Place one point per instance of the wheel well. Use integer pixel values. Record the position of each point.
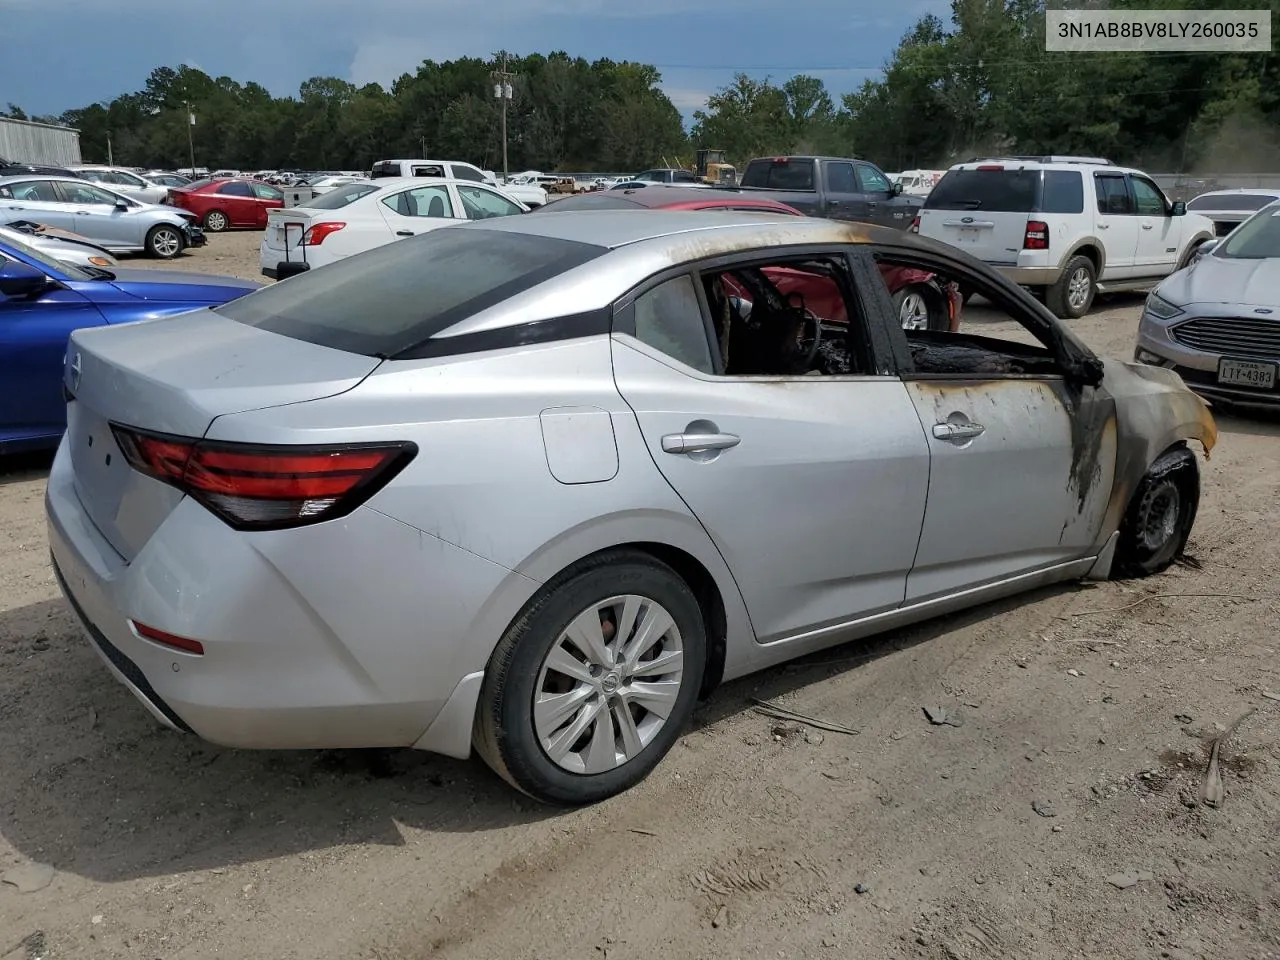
(1094, 255)
(710, 602)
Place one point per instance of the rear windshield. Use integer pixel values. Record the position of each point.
(383, 302)
(592, 201)
(197, 184)
(340, 196)
(779, 175)
(1003, 191)
(385, 169)
(1243, 202)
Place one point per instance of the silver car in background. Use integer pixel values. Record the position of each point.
(119, 223)
(65, 247)
(1217, 322)
(538, 484)
(124, 181)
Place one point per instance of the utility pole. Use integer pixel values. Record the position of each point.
(502, 91)
(191, 143)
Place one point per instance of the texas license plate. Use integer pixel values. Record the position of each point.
(1247, 373)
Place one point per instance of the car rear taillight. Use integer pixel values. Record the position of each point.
(990, 166)
(253, 487)
(315, 234)
(1037, 236)
(915, 226)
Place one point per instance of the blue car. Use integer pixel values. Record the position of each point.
(42, 300)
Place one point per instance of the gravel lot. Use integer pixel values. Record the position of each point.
(753, 839)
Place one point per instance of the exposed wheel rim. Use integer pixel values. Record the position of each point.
(914, 312)
(1078, 288)
(608, 685)
(1158, 515)
(166, 243)
(216, 221)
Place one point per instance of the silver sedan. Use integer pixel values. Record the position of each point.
(66, 247)
(538, 484)
(1217, 322)
(120, 224)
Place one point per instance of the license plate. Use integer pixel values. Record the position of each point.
(1247, 373)
(969, 234)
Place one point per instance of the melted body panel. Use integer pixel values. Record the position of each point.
(1028, 489)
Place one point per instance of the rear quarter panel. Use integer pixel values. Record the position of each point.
(482, 482)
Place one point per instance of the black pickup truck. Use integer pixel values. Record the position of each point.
(833, 187)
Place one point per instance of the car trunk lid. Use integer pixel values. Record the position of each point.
(175, 376)
(283, 236)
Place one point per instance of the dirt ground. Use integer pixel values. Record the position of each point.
(1085, 718)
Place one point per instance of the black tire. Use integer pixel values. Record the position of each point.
(1058, 297)
(505, 734)
(1160, 516)
(216, 221)
(165, 242)
(932, 300)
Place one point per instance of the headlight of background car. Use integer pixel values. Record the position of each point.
(1160, 308)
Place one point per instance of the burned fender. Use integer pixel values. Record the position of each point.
(1154, 411)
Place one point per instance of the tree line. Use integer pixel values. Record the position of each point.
(980, 83)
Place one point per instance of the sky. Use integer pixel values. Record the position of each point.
(108, 47)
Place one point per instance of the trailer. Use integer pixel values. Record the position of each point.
(25, 141)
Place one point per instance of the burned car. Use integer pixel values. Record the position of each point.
(535, 485)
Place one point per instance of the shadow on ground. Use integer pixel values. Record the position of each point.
(93, 786)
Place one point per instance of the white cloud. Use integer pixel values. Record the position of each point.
(686, 100)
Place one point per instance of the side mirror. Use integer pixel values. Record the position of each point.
(122, 205)
(1179, 208)
(896, 189)
(19, 280)
(1205, 249)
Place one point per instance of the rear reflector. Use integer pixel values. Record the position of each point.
(1037, 236)
(315, 234)
(185, 644)
(253, 487)
(915, 226)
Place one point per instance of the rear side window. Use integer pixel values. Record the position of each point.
(236, 189)
(1113, 195)
(669, 318)
(466, 173)
(779, 174)
(389, 299)
(1063, 192)
(386, 168)
(992, 191)
(840, 177)
(339, 197)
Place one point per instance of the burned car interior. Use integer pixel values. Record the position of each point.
(791, 318)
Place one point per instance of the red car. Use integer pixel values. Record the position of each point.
(227, 204)
(922, 301)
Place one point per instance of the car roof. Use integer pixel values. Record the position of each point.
(644, 242)
(1240, 191)
(23, 177)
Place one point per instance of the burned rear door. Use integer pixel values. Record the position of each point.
(1022, 455)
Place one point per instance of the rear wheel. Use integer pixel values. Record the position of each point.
(1072, 295)
(215, 221)
(591, 686)
(164, 242)
(1160, 516)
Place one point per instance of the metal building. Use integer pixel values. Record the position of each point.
(24, 141)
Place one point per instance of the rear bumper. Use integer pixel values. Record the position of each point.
(303, 648)
(1031, 276)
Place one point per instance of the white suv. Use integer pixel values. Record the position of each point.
(1067, 227)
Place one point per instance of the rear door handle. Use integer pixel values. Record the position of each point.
(698, 442)
(404, 233)
(957, 432)
(1146, 226)
(1104, 226)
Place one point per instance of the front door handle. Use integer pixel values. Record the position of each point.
(958, 431)
(1146, 226)
(404, 233)
(698, 442)
(1104, 226)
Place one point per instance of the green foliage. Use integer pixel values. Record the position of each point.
(984, 83)
(565, 113)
